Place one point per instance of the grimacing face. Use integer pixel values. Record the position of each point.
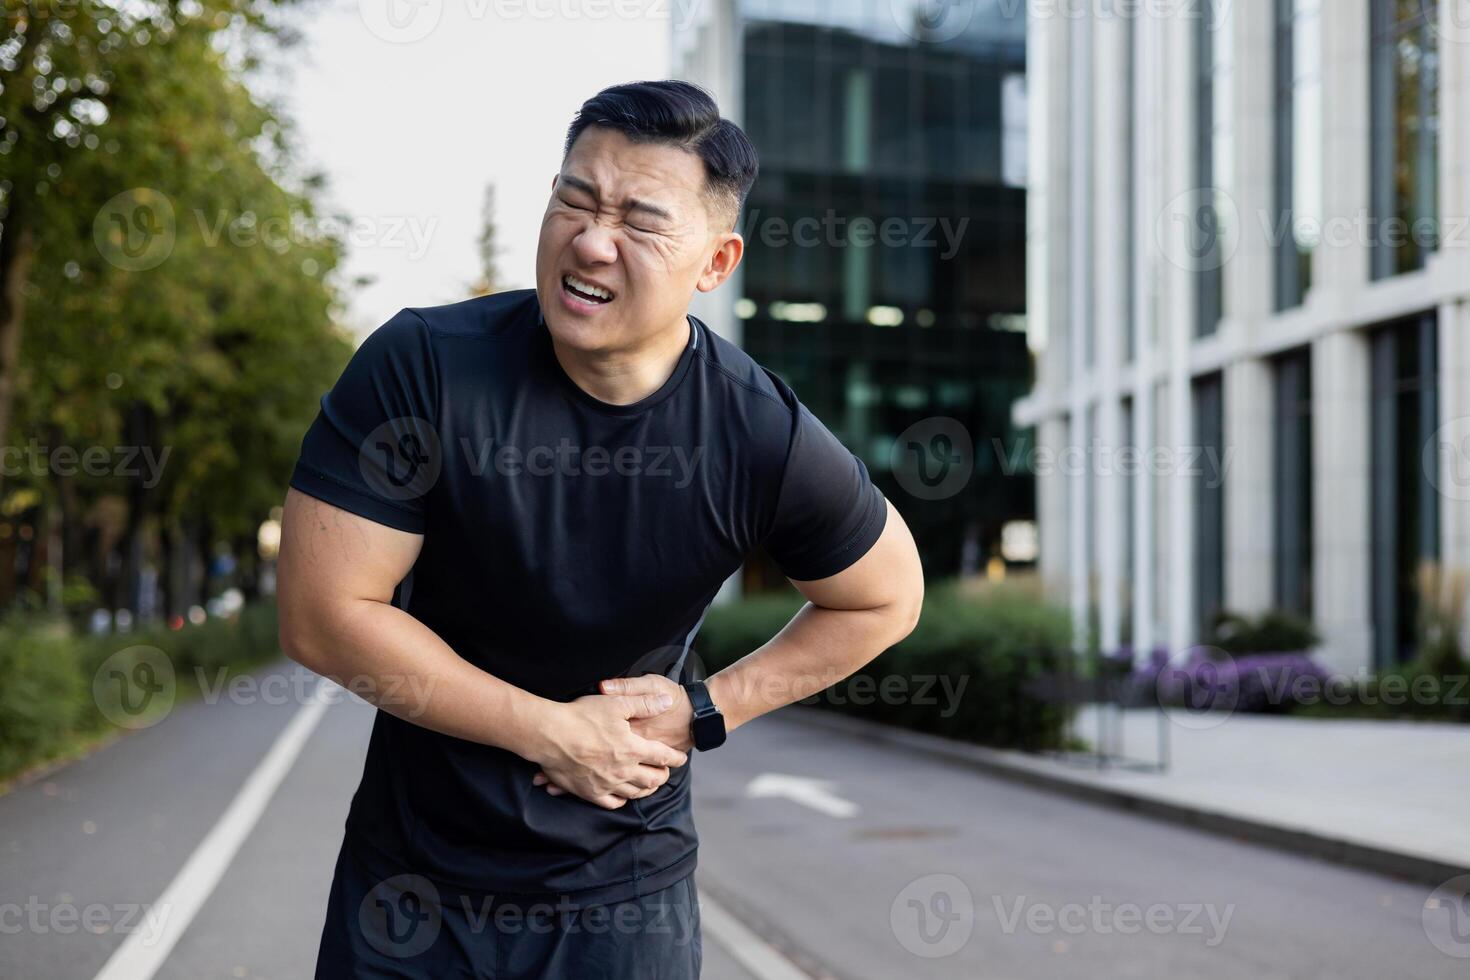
(630, 222)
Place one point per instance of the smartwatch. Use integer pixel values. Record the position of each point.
(708, 726)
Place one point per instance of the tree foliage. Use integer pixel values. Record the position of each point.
(175, 288)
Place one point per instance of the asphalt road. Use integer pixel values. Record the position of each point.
(847, 859)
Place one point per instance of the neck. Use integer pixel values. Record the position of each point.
(622, 377)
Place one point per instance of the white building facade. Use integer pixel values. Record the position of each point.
(1247, 287)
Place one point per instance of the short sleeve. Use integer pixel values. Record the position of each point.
(373, 448)
(828, 512)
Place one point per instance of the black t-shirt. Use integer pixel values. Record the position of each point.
(566, 540)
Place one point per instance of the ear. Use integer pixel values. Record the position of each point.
(722, 262)
(553, 180)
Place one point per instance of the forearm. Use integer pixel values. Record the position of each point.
(818, 648)
(389, 658)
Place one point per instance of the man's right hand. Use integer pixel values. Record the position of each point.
(591, 751)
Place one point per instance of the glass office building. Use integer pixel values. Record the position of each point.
(884, 276)
(1241, 263)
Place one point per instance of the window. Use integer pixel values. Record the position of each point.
(1298, 163)
(1209, 497)
(1130, 191)
(1129, 475)
(1088, 488)
(1405, 505)
(1292, 480)
(1213, 168)
(857, 110)
(1080, 207)
(852, 128)
(1405, 144)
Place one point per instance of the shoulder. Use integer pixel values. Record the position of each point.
(417, 335)
(479, 316)
(745, 381)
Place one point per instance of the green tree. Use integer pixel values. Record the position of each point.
(71, 72)
(183, 306)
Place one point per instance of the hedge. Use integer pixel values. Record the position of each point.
(970, 670)
(43, 695)
(46, 695)
(973, 668)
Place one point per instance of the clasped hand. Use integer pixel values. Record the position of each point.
(618, 745)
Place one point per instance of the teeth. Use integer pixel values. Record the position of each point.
(587, 287)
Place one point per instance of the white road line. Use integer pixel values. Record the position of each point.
(145, 950)
(760, 958)
(817, 794)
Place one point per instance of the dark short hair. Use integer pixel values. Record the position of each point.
(680, 114)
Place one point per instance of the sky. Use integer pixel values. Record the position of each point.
(410, 107)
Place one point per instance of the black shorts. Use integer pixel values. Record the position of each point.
(404, 927)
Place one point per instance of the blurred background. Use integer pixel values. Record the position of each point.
(1150, 316)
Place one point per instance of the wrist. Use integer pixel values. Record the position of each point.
(721, 692)
(707, 724)
(539, 727)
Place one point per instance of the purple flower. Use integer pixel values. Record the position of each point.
(1258, 682)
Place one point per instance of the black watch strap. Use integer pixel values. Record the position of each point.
(708, 726)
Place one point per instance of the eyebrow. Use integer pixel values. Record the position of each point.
(631, 204)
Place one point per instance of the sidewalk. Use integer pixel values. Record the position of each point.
(1389, 796)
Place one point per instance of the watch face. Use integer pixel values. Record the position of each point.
(709, 731)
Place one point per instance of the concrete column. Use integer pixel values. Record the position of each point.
(1049, 291)
(1341, 480)
(1250, 284)
(1079, 317)
(708, 52)
(1340, 263)
(1454, 117)
(1451, 442)
(713, 58)
(1148, 135)
(1079, 527)
(1250, 279)
(1177, 334)
(1051, 514)
(1045, 301)
(1110, 192)
(1164, 488)
(1249, 495)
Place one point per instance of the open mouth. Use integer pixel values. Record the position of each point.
(585, 291)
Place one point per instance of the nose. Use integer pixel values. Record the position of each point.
(594, 245)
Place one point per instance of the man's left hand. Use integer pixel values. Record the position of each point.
(671, 727)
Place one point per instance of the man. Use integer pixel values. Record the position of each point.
(506, 524)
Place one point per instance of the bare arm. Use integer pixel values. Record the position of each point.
(849, 619)
(337, 574)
